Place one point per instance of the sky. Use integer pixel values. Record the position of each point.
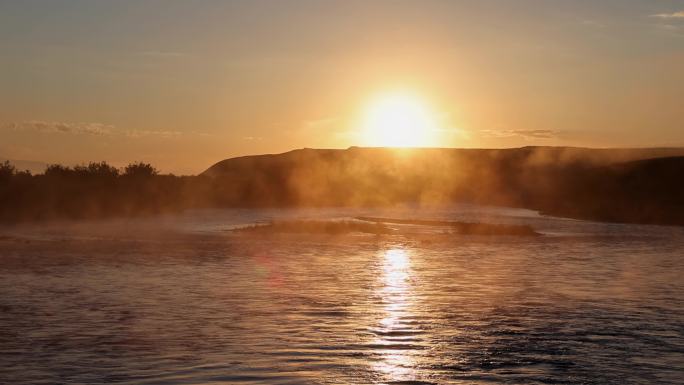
(184, 84)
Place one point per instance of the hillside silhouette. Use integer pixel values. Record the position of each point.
(621, 185)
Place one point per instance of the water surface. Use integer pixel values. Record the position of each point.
(181, 300)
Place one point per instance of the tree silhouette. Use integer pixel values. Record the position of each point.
(140, 170)
(7, 170)
(98, 170)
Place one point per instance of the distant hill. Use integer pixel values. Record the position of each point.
(624, 185)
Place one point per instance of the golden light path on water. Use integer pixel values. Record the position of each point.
(395, 291)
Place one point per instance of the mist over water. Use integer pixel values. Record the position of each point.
(181, 300)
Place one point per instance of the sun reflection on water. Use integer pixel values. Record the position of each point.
(396, 264)
(394, 329)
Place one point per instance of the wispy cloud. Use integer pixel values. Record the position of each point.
(99, 129)
(673, 15)
(61, 127)
(526, 134)
(161, 133)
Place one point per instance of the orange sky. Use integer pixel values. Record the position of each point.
(184, 85)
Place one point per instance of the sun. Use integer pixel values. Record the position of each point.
(398, 119)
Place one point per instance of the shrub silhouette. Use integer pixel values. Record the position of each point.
(7, 170)
(95, 190)
(140, 170)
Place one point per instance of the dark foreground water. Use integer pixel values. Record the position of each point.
(178, 300)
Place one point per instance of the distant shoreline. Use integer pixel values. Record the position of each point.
(610, 185)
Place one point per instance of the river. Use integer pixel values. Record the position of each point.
(183, 300)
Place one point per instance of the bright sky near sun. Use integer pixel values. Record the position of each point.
(184, 84)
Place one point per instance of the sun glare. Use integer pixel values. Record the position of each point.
(398, 120)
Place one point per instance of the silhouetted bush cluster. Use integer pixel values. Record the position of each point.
(97, 190)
